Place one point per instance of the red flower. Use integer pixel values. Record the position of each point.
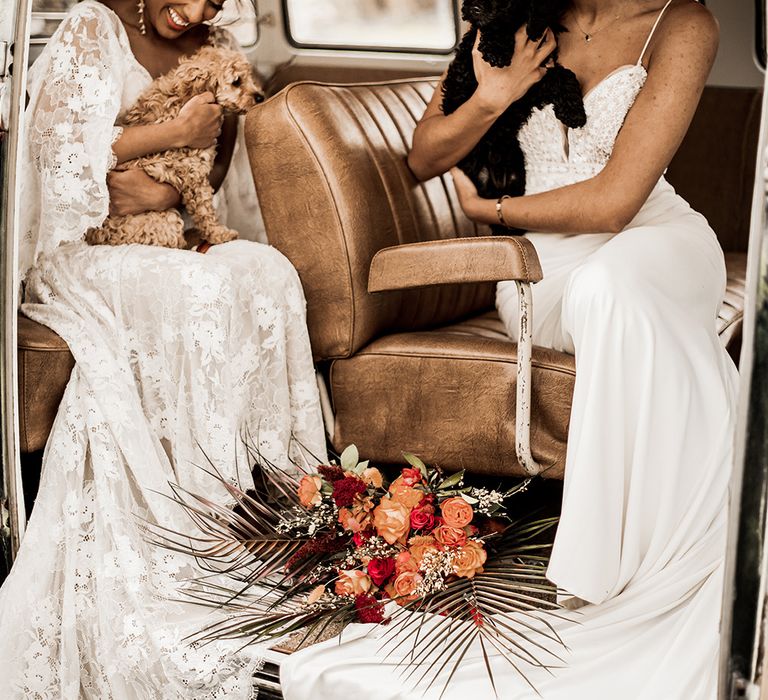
(326, 544)
(331, 473)
(411, 477)
(369, 609)
(381, 569)
(360, 538)
(423, 518)
(345, 490)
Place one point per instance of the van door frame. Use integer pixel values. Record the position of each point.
(14, 45)
(744, 625)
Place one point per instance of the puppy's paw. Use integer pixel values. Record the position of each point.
(220, 234)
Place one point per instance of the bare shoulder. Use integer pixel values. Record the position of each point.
(688, 32)
(689, 20)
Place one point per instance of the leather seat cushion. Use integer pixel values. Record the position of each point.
(45, 364)
(459, 362)
(453, 396)
(459, 383)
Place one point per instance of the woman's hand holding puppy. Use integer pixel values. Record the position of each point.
(441, 141)
(200, 121)
(132, 191)
(497, 88)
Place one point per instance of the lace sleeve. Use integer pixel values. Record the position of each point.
(75, 89)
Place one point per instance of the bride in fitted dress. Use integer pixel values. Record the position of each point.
(176, 352)
(640, 545)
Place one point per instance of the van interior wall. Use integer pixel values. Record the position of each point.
(735, 65)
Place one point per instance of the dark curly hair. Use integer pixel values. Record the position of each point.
(496, 165)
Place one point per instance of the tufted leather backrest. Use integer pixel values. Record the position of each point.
(329, 166)
(714, 168)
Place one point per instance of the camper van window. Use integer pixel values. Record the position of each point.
(238, 17)
(425, 26)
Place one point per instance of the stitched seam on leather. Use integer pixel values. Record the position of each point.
(463, 239)
(420, 308)
(305, 140)
(377, 164)
(422, 185)
(501, 360)
(457, 293)
(521, 248)
(402, 180)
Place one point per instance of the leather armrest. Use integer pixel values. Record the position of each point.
(454, 260)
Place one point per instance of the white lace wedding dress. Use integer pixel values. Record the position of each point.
(176, 354)
(643, 527)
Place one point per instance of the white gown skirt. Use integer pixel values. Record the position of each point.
(176, 354)
(642, 534)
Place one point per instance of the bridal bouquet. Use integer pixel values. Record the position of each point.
(344, 544)
(399, 541)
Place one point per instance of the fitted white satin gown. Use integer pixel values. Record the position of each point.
(643, 526)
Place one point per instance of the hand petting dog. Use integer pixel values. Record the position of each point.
(509, 57)
(197, 93)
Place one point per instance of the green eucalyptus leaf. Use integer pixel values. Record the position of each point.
(469, 499)
(360, 468)
(414, 461)
(452, 480)
(349, 458)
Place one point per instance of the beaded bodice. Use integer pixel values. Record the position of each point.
(556, 156)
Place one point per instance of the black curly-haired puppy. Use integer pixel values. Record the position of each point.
(496, 165)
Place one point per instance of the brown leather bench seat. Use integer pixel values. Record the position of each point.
(45, 364)
(438, 368)
(713, 170)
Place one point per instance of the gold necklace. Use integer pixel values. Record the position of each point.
(588, 36)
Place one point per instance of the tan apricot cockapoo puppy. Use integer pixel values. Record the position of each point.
(228, 75)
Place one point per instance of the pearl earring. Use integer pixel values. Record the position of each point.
(142, 26)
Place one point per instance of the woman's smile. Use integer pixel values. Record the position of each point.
(175, 21)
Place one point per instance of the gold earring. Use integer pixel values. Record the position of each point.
(142, 26)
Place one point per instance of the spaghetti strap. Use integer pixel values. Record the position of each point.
(653, 30)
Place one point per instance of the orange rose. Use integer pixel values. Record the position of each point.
(405, 584)
(419, 546)
(470, 559)
(405, 562)
(348, 521)
(362, 509)
(353, 583)
(449, 536)
(404, 494)
(392, 520)
(373, 477)
(456, 512)
(357, 518)
(309, 491)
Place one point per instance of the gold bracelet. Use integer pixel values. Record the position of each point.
(500, 213)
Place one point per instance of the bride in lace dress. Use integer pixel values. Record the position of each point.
(633, 290)
(176, 354)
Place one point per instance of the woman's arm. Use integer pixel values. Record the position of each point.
(440, 141)
(133, 191)
(654, 128)
(197, 125)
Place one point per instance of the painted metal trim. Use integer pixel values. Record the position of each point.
(524, 360)
(9, 282)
